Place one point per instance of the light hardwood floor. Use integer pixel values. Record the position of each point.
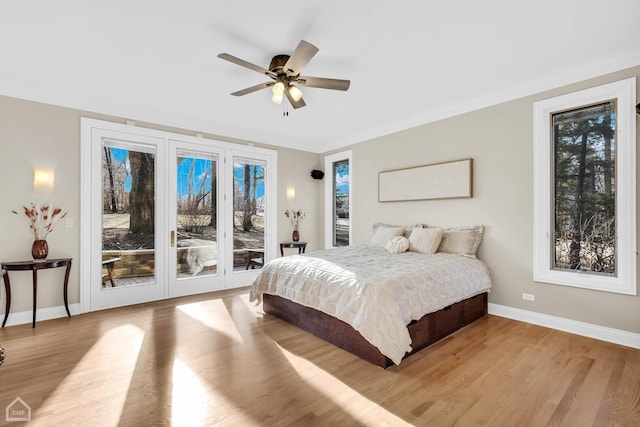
(216, 359)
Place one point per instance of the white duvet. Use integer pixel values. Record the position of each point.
(376, 292)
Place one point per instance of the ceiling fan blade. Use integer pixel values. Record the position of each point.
(245, 64)
(295, 104)
(253, 89)
(320, 82)
(300, 57)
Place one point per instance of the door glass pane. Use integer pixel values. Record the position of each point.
(248, 213)
(128, 214)
(196, 216)
(340, 178)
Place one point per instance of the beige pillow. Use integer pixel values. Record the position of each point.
(425, 240)
(462, 240)
(382, 235)
(407, 228)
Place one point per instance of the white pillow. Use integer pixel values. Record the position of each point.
(397, 245)
(425, 240)
(462, 240)
(382, 235)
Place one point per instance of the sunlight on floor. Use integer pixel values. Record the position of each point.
(349, 400)
(99, 362)
(189, 397)
(209, 314)
(252, 306)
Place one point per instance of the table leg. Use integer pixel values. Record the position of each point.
(7, 288)
(35, 296)
(281, 249)
(66, 285)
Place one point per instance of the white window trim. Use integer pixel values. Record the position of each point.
(328, 196)
(624, 92)
(89, 227)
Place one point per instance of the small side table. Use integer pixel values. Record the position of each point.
(34, 266)
(302, 247)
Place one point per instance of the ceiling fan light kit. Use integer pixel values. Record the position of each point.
(285, 71)
(296, 93)
(278, 88)
(277, 99)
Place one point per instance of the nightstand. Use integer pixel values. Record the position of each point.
(302, 246)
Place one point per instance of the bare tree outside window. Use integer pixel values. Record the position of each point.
(341, 202)
(249, 209)
(128, 215)
(196, 215)
(584, 142)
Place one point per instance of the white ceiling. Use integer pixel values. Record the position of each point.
(409, 62)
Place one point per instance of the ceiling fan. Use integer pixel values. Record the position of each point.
(284, 70)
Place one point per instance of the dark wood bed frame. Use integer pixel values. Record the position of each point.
(429, 329)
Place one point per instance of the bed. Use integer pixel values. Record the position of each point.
(377, 305)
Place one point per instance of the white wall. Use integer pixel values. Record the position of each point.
(294, 170)
(500, 141)
(40, 135)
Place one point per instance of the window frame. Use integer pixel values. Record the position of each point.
(329, 199)
(624, 282)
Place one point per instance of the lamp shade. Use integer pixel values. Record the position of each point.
(295, 93)
(43, 180)
(278, 88)
(291, 193)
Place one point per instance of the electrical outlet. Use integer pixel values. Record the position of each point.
(528, 297)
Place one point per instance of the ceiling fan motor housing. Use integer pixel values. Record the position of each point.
(277, 64)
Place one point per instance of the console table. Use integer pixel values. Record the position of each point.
(302, 246)
(34, 266)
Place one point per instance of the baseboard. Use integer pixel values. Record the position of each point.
(616, 336)
(602, 333)
(22, 317)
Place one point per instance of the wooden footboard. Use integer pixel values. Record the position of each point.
(429, 329)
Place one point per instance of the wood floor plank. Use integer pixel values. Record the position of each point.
(626, 402)
(216, 359)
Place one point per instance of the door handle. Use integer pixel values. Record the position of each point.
(173, 238)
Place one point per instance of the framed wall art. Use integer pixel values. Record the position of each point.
(447, 180)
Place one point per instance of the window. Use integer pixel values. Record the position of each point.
(584, 189)
(338, 191)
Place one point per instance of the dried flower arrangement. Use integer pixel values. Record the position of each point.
(42, 219)
(295, 216)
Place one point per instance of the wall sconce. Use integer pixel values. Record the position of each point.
(291, 193)
(43, 180)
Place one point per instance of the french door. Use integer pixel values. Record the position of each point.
(167, 215)
(195, 211)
